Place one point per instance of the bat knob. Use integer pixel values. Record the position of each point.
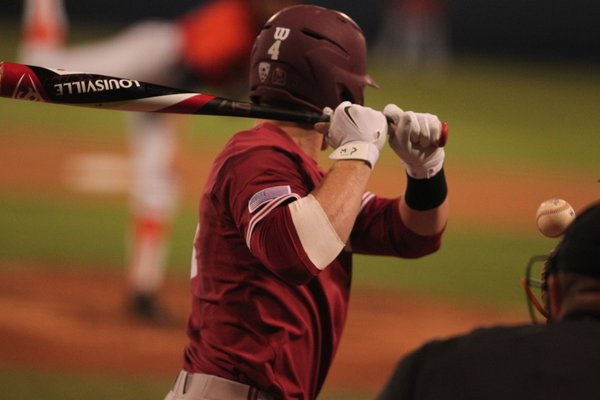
(444, 135)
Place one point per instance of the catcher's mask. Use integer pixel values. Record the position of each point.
(577, 252)
(535, 284)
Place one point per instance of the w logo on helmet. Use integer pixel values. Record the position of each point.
(281, 33)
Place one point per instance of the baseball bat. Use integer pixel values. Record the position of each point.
(35, 83)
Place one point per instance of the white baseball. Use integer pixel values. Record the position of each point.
(553, 217)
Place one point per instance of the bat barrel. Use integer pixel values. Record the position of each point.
(28, 82)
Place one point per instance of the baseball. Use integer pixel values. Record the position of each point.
(553, 217)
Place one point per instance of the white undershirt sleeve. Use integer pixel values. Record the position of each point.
(317, 236)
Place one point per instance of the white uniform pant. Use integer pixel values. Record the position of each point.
(189, 386)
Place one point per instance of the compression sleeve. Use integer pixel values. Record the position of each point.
(319, 239)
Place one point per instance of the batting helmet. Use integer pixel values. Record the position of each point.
(309, 57)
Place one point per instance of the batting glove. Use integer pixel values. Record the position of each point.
(356, 132)
(414, 139)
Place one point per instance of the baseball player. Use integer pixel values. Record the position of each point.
(559, 360)
(207, 46)
(272, 261)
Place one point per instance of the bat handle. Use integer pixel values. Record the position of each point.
(441, 142)
(443, 135)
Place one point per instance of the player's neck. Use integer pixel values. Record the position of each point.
(307, 138)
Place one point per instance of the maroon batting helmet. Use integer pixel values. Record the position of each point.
(309, 57)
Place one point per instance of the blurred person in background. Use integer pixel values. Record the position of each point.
(415, 33)
(208, 46)
(556, 360)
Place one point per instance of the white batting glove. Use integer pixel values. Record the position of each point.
(356, 132)
(414, 139)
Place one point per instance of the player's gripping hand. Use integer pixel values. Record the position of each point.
(415, 138)
(356, 132)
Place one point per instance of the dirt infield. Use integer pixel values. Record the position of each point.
(76, 322)
(65, 320)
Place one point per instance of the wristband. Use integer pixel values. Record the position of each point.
(357, 151)
(426, 194)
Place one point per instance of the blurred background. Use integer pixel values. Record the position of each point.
(525, 28)
(517, 81)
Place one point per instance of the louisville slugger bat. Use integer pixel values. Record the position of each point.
(58, 86)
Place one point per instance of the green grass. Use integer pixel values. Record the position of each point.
(66, 232)
(18, 383)
(478, 266)
(59, 231)
(32, 384)
(505, 112)
(63, 123)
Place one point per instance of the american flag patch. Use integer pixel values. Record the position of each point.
(267, 195)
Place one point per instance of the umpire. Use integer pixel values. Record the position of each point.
(559, 360)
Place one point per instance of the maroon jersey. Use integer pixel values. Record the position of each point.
(262, 313)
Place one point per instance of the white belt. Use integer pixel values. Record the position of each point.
(190, 386)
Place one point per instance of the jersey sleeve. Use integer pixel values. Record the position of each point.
(379, 230)
(256, 187)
